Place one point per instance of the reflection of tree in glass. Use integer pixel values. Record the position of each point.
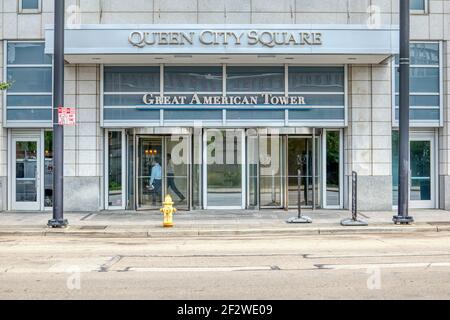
(48, 137)
(5, 85)
(26, 150)
(333, 158)
(420, 158)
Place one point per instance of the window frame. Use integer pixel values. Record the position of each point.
(25, 123)
(324, 169)
(421, 123)
(224, 121)
(124, 173)
(421, 12)
(21, 10)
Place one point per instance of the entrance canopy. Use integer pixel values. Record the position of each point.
(196, 43)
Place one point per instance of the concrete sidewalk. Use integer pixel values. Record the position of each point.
(119, 224)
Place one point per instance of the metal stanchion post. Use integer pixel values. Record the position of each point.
(300, 218)
(354, 221)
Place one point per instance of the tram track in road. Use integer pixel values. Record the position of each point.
(226, 255)
(256, 262)
(414, 266)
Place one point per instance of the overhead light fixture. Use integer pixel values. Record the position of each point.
(182, 56)
(266, 56)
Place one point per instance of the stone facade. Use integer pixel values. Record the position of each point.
(367, 137)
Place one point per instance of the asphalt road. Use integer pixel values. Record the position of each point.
(407, 266)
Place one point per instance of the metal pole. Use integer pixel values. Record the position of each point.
(354, 221)
(314, 169)
(355, 196)
(300, 218)
(58, 220)
(403, 196)
(308, 172)
(299, 193)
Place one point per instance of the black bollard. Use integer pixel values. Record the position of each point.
(299, 218)
(354, 219)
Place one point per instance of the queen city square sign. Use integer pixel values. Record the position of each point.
(87, 41)
(265, 38)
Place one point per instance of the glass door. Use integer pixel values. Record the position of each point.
(26, 172)
(150, 164)
(271, 171)
(224, 159)
(177, 170)
(252, 169)
(422, 172)
(304, 156)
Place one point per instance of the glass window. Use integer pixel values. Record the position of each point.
(422, 80)
(27, 53)
(115, 169)
(123, 100)
(28, 101)
(193, 115)
(197, 171)
(424, 53)
(124, 88)
(314, 114)
(333, 168)
(253, 115)
(421, 114)
(29, 70)
(300, 159)
(30, 79)
(30, 4)
(131, 114)
(417, 5)
(193, 79)
(132, 79)
(224, 168)
(26, 171)
(421, 101)
(420, 166)
(425, 82)
(29, 114)
(324, 100)
(271, 170)
(316, 79)
(255, 79)
(395, 163)
(48, 169)
(177, 169)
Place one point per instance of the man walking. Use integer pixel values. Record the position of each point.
(156, 181)
(171, 178)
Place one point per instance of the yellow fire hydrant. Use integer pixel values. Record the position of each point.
(168, 210)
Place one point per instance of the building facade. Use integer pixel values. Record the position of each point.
(224, 104)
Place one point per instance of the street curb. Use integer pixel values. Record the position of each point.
(443, 228)
(160, 233)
